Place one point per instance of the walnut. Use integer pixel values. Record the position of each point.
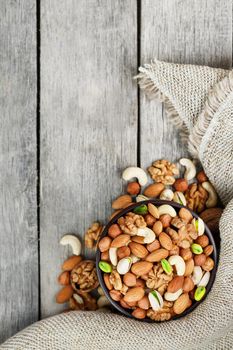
(92, 235)
(131, 222)
(178, 222)
(124, 289)
(89, 301)
(163, 171)
(83, 276)
(196, 197)
(164, 314)
(158, 279)
(115, 280)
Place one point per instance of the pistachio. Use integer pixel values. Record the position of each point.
(205, 280)
(105, 267)
(156, 300)
(124, 265)
(141, 210)
(196, 248)
(199, 293)
(167, 194)
(199, 226)
(197, 274)
(166, 266)
(179, 198)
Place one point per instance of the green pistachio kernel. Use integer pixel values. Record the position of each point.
(196, 248)
(142, 209)
(105, 267)
(166, 266)
(199, 293)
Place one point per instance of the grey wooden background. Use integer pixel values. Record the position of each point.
(71, 118)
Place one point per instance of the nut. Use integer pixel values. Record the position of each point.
(115, 295)
(115, 280)
(208, 265)
(199, 293)
(123, 252)
(157, 255)
(213, 198)
(74, 242)
(113, 256)
(92, 235)
(107, 281)
(105, 267)
(201, 177)
(208, 250)
(141, 198)
(189, 267)
(203, 241)
(153, 246)
(167, 194)
(196, 197)
(135, 172)
(158, 227)
(104, 244)
(70, 263)
(129, 279)
(197, 274)
(83, 277)
(138, 239)
(105, 256)
(175, 284)
(64, 278)
(165, 241)
(144, 303)
(181, 185)
(124, 265)
(188, 284)
(167, 209)
(190, 171)
(196, 248)
(205, 279)
(153, 210)
(138, 250)
(165, 220)
(141, 209)
(185, 215)
(179, 264)
(154, 190)
(181, 304)
(199, 260)
(150, 220)
(163, 171)
(156, 300)
(141, 268)
(186, 254)
(120, 241)
(173, 296)
(64, 294)
(147, 233)
(199, 226)
(134, 294)
(114, 231)
(139, 313)
(121, 202)
(133, 188)
(166, 266)
(179, 198)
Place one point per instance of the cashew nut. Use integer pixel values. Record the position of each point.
(179, 198)
(141, 198)
(156, 300)
(137, 172)
(167, 209)
(199, 226)
(205, 280)
(167, 194)
(179, 263)
(74, 242)
(190, 171)
(147, 233)
(103, 301)
(213, 198)
(173, 296)
(197, 274)
(124, 265)
(113, 255)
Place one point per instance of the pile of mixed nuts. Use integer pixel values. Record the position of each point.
(155, 260)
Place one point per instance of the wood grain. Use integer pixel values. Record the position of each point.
(182, 31)
(88, 120)
(18, 207)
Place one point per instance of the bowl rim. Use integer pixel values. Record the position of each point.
(158, 202)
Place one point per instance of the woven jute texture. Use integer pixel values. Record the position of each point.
(199, 100)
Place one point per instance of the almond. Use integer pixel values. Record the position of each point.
(70, 263)
(150, 220)
(144, 303)
(64, 278)
(121, 202)
(211, 214)
(115, 294)
(185, 214)
(138, 250)
(157, 227)
(114, 231)
(157, 255)
(64, 294)
(124, 304)
(175, 284)
(123, 252)
(107, 281)
(200, 259)
(153, 246)
(188, 284)
(208, 250)
(189, 266)
(181, 304)
(138, 239)
(153, 210)
(129, 279)
(141, 268)
(154, 190)
(139, 313)
(133, 188)
(104, 244)
(120, 241)
(165, 220)
(134, 294)
(165, 241)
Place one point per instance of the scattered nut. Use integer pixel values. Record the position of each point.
(64, 278)
(154, 190)
(135, 172)
(92, 235)
(133, 188)
(212, 200)
(181, 185)
(190, 171)
(163, 171)
(74, 242)
(167, 195)
(121, 202)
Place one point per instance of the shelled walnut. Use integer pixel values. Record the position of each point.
(164, 314)
(92, 235)
(163, 171)
(196, 197)
(84, 277)
(131, 222)
(158, 279)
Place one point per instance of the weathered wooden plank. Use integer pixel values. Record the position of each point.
(18, 205)
(182, 31)
(88, 119)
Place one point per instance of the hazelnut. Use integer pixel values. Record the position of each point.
(165, 220)
(150, 220)
(114, 231)
(104, 244)
(186, 253)
(188, 284)
(202, 240)
(153, 246)
(129, 279)
(105, 256)
(201, 177)
(144, 303)
(208, 250)
(199, 260)
(139, 313)
(208, 265)
(64, 278)
(123, 252)
(115, 294)
(133, 188)
(157, 227)
(181, 185)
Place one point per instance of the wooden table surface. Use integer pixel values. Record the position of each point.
(72, 118)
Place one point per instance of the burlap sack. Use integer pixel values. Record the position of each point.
(200, 101)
